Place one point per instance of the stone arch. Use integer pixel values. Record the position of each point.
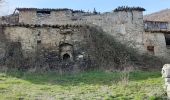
(66, 57)
(66, 51)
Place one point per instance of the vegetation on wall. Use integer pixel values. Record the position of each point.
(110, 52)
(126, 8)
(104, 51)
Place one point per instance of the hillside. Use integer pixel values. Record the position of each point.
(163, 15)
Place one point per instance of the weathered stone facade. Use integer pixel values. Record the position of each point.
(156, 35)
(126, 26)
(56, 35)
(56, 46)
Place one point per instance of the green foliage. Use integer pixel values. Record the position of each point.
(16, 85)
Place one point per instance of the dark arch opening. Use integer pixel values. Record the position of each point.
(66, 57)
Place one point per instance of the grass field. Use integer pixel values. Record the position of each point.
(92, 85)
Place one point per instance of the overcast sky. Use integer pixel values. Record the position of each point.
(100, 5)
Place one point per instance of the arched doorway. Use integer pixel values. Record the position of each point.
(66, 52)
(66, 57)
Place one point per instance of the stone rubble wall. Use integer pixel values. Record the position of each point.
(10, 19)
(122, 27)
(2, 44)
(158, 41)
(126, 26)
(53, 43)
(50, 37)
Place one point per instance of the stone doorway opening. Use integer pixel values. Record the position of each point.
(66, 52)
(66, 57)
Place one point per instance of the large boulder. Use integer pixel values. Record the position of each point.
(166, 76)
(166, 71)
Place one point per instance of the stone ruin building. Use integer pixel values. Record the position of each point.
(61, 36)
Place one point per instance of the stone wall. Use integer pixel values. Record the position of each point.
(155, 36)
(158, 41)
(56, 17)
(53, 45)
(2, 44)
(10, 19)
(126, 26)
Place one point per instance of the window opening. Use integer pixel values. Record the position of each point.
(43, 12)
(38, 41)
(150, 49)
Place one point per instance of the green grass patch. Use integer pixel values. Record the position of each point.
(16, 85)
